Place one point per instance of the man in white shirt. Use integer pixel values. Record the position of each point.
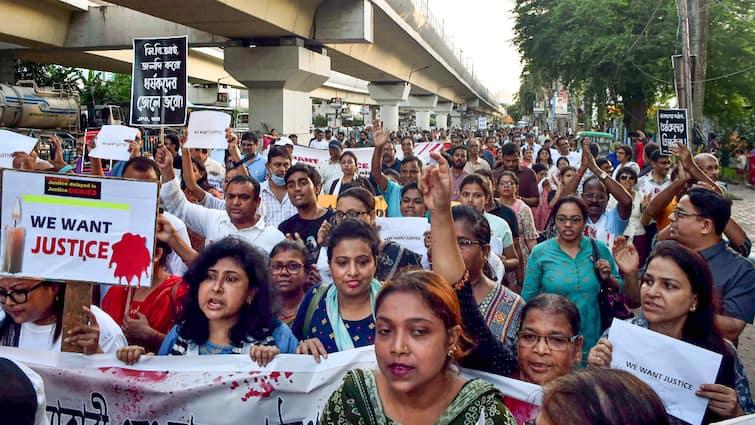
(330, 170)
(658, 179)
(475, 161)
(318, 142)
(276, 205)
(239, 219)
(529, 140)
(624, 155)
(564, 149)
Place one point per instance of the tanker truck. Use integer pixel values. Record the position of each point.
(43, 112)
(25, 105)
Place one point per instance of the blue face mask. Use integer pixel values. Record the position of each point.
(278, 181)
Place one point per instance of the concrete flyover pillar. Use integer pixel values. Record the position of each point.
(279, 79)
(442, 109)
(422, 106)
(455, 119)
(389, 96)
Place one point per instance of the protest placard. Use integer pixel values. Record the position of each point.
(11, 142)
(112, 142)
(671, 367)
(316, 157)
(672, 128)
(175, 390)
(207, 130)
(407, 231)
(75, 228)
(158, 82)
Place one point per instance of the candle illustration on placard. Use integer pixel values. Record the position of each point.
(13, 241)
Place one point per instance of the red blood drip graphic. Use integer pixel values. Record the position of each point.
(131, 257)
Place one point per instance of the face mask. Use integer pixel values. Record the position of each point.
(278, 181)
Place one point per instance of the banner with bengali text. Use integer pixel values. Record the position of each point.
(218, 390)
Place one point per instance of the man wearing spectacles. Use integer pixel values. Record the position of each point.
(548, 346)
(698, 222)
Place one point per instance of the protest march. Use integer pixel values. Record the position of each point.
(174, 268)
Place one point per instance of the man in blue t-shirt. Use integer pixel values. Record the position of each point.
(411, 170)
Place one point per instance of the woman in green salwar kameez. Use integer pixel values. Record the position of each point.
(418, 341)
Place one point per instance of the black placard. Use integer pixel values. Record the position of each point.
(158, 84)
(672, 128)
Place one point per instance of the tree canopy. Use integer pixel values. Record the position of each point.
(621, 50)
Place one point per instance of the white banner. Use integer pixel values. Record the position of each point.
(88, 229)
(671, 367)
(198, 390)
(207, 130)
(111, 142)
(364, 155)
(11, 142)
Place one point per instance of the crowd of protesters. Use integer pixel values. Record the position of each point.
(526, 229)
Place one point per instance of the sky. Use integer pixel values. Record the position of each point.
(484, 30)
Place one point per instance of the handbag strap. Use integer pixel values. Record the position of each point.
(595, 259)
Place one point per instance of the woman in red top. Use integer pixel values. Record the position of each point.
(151, 311)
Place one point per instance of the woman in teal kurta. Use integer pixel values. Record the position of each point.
(564, 265)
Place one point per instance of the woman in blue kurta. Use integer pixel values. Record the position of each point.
(340, 316)
(564, 265)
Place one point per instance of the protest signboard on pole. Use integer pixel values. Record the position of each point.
(76, 228)
(672, 128)
(158, 82)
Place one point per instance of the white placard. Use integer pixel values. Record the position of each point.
(11, 142)
(671, 367)
(207, 130)
(65, 227)
(406, 231)
(112, 142)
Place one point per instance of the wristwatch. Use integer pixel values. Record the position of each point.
(603, 176)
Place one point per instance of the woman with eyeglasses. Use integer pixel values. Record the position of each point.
(548, 347)
(340, 316)
(635, 230)
(32, 318)
(351, 178)
(508, 188)
(289, 270)
(500, 306)
(564, 265)
(679, 301)
(358, 203)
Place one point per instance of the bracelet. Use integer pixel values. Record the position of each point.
(580, 173)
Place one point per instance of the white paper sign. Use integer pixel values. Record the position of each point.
(207, 130)
(406, 231)
(66, 227)
(671, 367)
(292, 389)
(13, 142)
(111, 142)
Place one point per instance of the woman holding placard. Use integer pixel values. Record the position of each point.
(678, 301)
(227, 310)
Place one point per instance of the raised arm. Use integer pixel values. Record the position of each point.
(380, 138)
(623, 198)
(436, 188)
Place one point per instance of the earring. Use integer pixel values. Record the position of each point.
(693, 308)
(451, 351)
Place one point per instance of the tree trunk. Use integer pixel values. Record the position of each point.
(635, 117)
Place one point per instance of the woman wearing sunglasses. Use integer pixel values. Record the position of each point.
(635, 230)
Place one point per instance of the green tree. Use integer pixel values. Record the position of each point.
(603, 49)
